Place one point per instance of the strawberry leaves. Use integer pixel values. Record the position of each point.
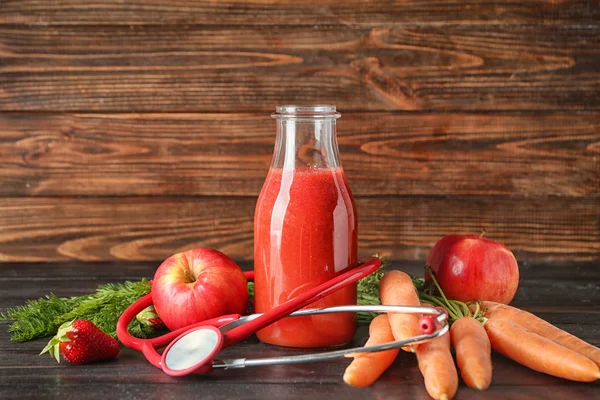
(53, 346)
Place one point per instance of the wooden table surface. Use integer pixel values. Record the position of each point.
(566, 294)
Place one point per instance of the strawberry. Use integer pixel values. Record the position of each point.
(81, 342)
(149, 317)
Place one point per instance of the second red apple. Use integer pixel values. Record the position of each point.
(471, 267)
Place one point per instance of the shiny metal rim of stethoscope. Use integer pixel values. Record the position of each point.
(308, 358)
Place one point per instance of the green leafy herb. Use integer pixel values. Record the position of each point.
(43, 317)
(368, 291)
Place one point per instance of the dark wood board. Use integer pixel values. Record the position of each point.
(141, 228)
(24, 374)
(305, 13)
(537, 293)
(534, 155)
(191, 69)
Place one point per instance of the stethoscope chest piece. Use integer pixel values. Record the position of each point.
(193, 351)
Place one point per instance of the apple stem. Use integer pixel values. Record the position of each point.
(190, 276)
(482, 233)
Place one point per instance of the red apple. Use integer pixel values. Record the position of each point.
(196, 285)
(471, 267)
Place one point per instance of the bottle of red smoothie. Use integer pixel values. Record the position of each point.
(305, 228)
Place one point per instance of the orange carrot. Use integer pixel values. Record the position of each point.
(396, 289)
(367, 367)
(437, 367)
(543, 328)
(537, 352)
(473, 352)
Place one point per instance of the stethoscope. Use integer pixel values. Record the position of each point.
(193, 348)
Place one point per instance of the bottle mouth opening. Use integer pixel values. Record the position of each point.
(319, 111)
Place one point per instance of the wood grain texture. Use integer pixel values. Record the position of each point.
(308, 13)
(539, 284)
(538, 287)
(198, 69)
(404, 370)
(229, 154)
(133, 228)
(457, 116)
(216, 389)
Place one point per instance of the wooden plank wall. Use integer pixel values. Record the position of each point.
(131, 130)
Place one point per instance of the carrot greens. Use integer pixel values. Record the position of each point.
(43, 317)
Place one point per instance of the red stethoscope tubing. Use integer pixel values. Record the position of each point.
(326, 288)
(148, 346)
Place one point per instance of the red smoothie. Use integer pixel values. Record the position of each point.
(305, 231)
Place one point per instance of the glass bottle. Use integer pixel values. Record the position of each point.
(305, 228)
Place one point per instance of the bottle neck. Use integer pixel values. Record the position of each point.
(305, 143)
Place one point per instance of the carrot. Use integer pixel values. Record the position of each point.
(542, 328)
(396, 288)
(537, 352)
(367, 367)
(473, 352)
(437, 367)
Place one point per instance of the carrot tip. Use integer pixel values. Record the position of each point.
(353, 382)
(443, 396)
(409, 349)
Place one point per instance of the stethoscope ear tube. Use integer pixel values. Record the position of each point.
(442, 329)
